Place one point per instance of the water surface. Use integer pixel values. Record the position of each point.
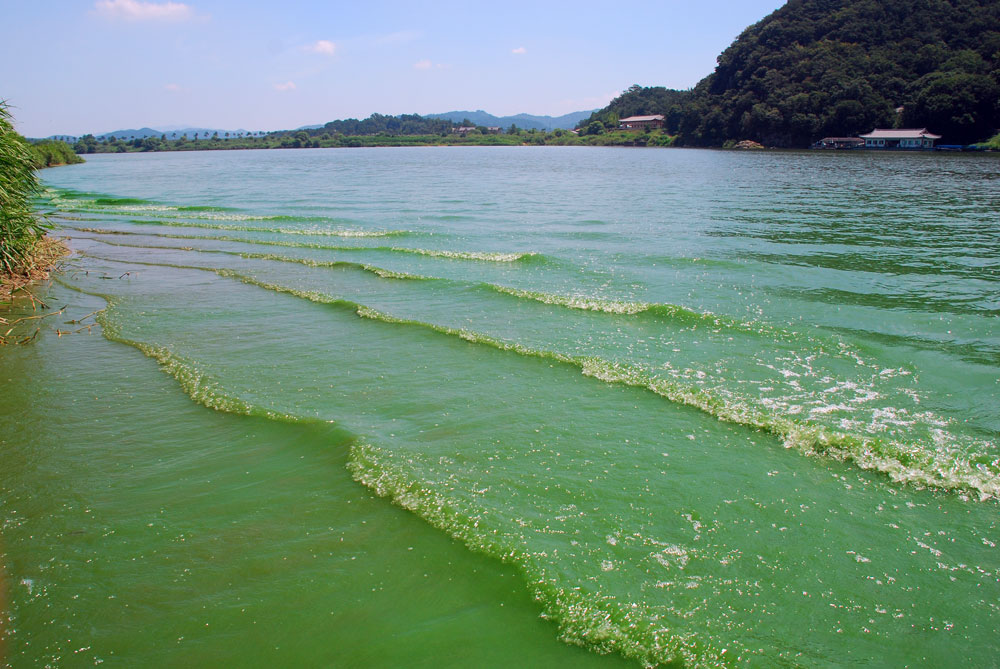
(508, 405)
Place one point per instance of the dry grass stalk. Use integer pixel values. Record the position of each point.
(47, 253)
(45, 256)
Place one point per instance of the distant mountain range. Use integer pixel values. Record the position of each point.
(526, 121)
(479, 117)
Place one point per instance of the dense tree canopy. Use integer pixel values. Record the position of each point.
(817, 68)
(378, 124)
(51, 152)
(639, 101)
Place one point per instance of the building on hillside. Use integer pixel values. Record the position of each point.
(839, 143)
(641, 122)
(900, 139)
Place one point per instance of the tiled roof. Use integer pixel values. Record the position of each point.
(655, 117)
(901, 134)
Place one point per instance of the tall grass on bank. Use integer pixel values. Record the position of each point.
(20, 230)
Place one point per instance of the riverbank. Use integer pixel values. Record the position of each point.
(44, 257)
(304, 140)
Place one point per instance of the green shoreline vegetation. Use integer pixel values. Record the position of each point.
(20, 229)
(52, 153)
(324, 138)
(25, 252)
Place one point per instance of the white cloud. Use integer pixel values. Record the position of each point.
(322, 47)
(519, 50)
(137, 10)
(287, 86)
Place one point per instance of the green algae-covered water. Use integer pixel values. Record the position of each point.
(509, 407)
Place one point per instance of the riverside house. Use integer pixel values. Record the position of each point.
(642, 122)
(900, 139)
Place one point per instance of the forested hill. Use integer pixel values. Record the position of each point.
(818, 68)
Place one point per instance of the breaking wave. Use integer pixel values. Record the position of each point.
(485, 256)
(948, 469)
(311, 232)
(945, 465)
(600, 622)
(95, 203)
(671, 312)
(198, 386)
(594, 620)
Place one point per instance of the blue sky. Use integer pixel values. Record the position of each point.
(102, 65)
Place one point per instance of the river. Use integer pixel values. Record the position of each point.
(506, 406)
